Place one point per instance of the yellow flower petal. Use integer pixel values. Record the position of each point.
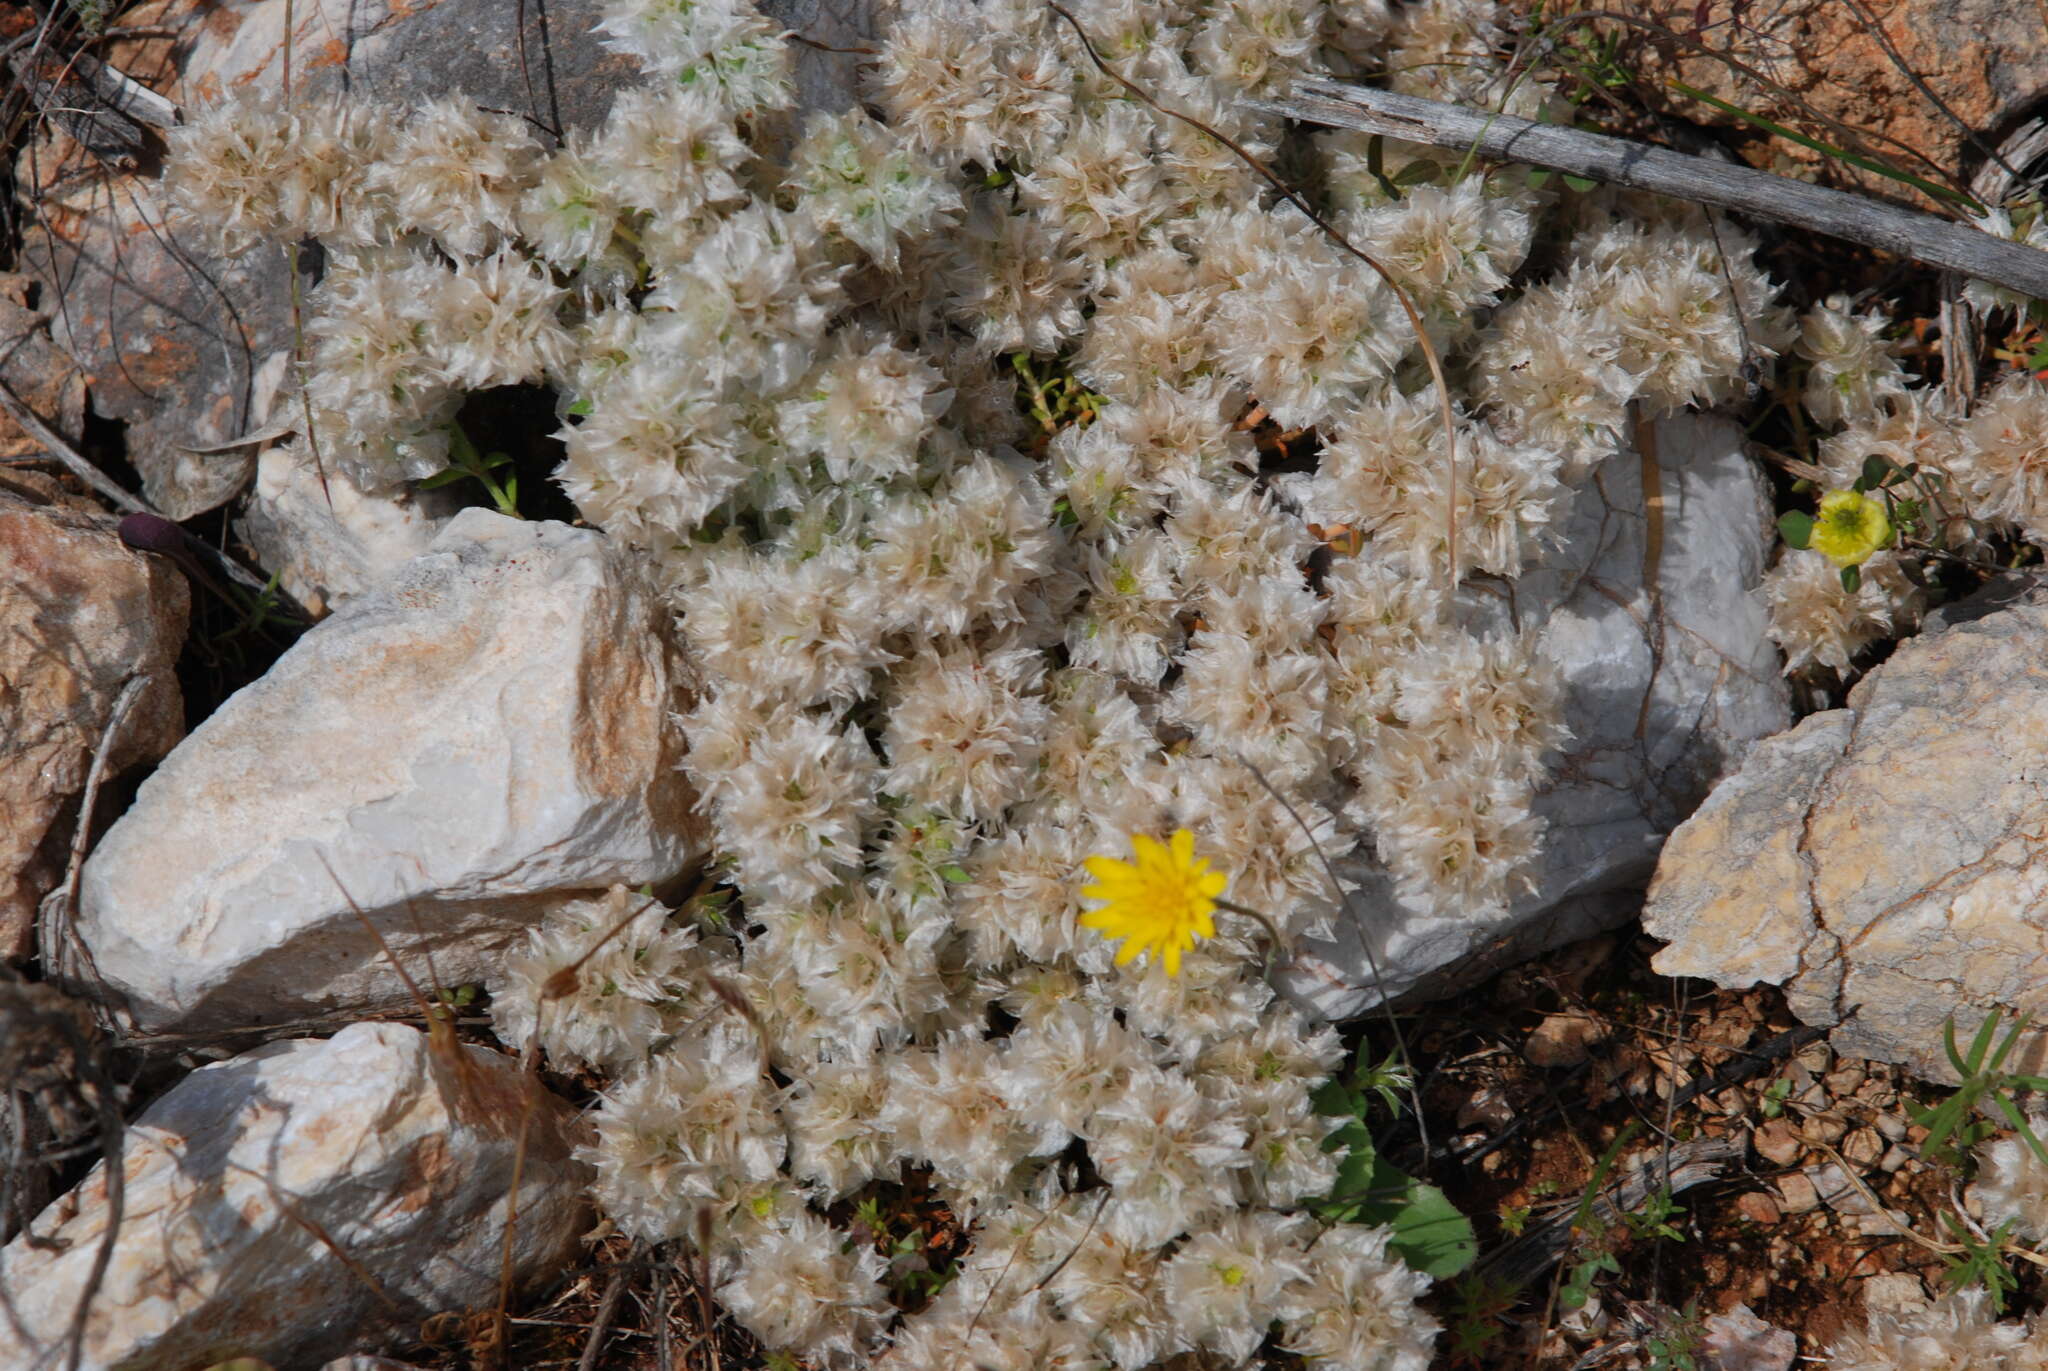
(1160, 903)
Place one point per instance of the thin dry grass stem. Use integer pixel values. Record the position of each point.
(54, 946)
(704, 1314)
(1079, 1242)
(1300, 202)
(476, 1099)
(48, 1047)
(324, 1238)
(1016, 1250)
(607, 1310)
(563, 982)
(1372, 960)
(1848, 132)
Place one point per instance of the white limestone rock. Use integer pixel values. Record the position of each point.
(489, 729)
(300, 1197)
(333, 541)
(1884, 862)
(1632, 771)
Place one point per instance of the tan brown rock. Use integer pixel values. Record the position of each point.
(1885, 862)
(1563, 1040)
(81, 615)
(41, 376)
(1877, 67)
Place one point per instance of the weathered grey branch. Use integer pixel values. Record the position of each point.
(1618, 161)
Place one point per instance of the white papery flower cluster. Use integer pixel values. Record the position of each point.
(1958, 1332)
(940, 672)
(2012, 1184)
(1984, 471)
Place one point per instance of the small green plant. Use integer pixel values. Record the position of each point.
(1775, 1095)
(1981, 1263)
(1907, 493)
(1653, 1220)
(1514, 1218)
(1592, 1261)
(1429, 1233)
(1951, 1128)
(1676, 1346)
(1049, 393)
(457, 997)
(1593, 1252)
(466, 463)
(259, 614)
(1478, 1304)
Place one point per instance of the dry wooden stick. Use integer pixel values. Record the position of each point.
(66, 455)
(1703, 180)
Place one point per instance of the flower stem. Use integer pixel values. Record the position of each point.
(1277, 944)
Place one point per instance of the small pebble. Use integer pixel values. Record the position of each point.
(1863, 1147)
(1797, 1193)
(1893, 1159)
(1826, 1128)
(1563, 1040)
(1893, 1126)
(1758, 1208)
(1896, 1292)
(1845, 1080)
(1777, 1142)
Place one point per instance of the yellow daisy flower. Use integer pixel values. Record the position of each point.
(1851, 526)
(1160, 903)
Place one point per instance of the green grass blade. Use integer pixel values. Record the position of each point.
(1871, 164)
(2019, 1025)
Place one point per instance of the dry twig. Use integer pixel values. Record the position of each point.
(1703, 180)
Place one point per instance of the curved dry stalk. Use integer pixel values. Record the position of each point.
(1300, 202)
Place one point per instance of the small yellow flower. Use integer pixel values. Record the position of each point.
(1160, 903)
(1851, 526)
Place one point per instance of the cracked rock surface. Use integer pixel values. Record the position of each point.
(298, 1196)
(487, 731)
(1883, 862)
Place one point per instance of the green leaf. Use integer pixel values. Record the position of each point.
(1430, 1235)
(1579, 183)
(1795, 528)
(956, 874)
(1875, 469)
(1539, 178)
(581, 406)
(1417, 173)
(1852, 579)
(440, 478)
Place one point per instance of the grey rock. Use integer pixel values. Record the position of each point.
(1883, 862)
(488, 729)
(1662, 699)
(297, 1198)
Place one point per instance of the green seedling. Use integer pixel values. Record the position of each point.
(1951, 1129)
(1430, 1235)
(466, 463)
(1981, 1263)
